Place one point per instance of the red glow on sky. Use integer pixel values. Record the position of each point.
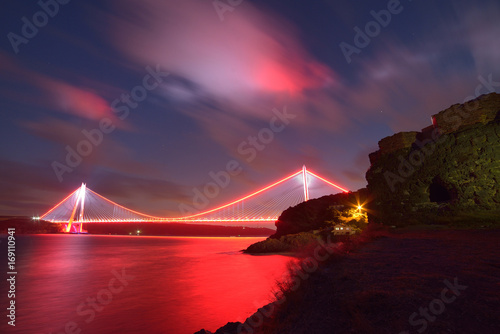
(272, 77)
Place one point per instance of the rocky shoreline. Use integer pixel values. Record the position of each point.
(388, 283)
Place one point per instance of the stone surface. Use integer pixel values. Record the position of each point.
(440, 178)
(397, 141)
(482, 110)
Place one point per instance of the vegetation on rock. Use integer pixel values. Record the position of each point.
(450, 178)
(308, 223)
(318, 213)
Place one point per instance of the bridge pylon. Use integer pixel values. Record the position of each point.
(80, 200)
(304, 180)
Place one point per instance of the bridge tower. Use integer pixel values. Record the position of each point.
(80, 200)
(304, 180)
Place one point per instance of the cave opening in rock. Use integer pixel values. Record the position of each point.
(439, 192)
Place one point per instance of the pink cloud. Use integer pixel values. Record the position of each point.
(75, 100)
(244, 67)
(249, 55)
(56, 94)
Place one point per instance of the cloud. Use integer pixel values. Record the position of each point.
(74, 100)
(229, 75)
(54, 94)
(239, 61)
(234, 71)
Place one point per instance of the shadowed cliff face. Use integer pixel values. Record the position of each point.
(449, 173)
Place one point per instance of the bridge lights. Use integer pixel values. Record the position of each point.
(98, 211)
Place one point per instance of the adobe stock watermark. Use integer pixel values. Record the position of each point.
(372, 29)
(302, 271)
(455, 117)
(87, 309)
(29, 28)
(223, 6)
(248, 149)
(436, 306)
(121, 107)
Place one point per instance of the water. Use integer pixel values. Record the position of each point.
(179, 285)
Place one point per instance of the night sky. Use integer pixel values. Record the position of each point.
(170, 91)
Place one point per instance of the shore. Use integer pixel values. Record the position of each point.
(408, 281)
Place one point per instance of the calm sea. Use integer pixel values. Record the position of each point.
(136, 284)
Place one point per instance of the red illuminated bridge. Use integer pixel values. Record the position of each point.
(86, 206)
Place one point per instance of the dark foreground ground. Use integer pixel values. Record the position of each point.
(395, 282)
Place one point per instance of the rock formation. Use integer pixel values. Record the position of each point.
(448, 172)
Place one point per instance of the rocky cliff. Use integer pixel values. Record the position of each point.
(447, 173)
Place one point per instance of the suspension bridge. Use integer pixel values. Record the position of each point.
(265, 205)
